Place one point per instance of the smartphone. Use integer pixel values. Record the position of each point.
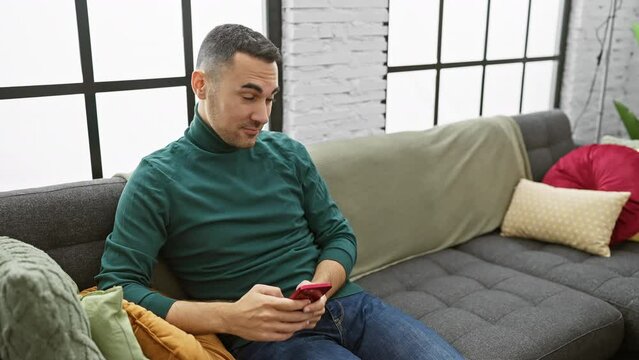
(311, 291)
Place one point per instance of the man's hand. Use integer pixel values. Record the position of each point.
(316, 309)
(264, 314)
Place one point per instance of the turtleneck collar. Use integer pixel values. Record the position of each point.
(205, 137)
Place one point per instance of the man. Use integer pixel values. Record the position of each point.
(243, 216)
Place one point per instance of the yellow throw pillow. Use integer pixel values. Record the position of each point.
(161, 340)
(635, 238)
(582, 219)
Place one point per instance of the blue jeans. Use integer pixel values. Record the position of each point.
(358, 326)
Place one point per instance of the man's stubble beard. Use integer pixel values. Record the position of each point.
(233, 137)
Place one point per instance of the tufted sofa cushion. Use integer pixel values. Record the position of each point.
(614, 279)
(493, 312)
(547, 137)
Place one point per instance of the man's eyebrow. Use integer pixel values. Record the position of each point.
(253, 86)
(258, 88)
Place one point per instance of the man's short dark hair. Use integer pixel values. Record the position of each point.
(221, 43)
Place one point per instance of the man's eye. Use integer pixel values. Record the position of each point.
(248, 97)
(270, 100)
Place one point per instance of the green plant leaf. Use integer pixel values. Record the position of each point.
(629, 119)
(635, 28)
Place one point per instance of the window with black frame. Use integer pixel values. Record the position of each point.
(88, 87)
(451, 60)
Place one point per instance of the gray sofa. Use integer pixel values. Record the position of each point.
(491, 297)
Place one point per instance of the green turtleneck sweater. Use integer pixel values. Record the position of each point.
(224, 219)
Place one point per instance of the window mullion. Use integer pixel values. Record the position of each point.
(483, 68)
(523, 70)
(86, 58)
(439, 59)
(187, 34)
(562, 51)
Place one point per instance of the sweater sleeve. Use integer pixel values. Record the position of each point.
(333, 233)
(139, 233)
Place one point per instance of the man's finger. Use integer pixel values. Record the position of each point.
(293, 316)
(286, 327)
(268, 290)
(316, 306)
(304, 282)
(285, 304)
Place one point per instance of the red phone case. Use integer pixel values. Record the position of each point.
(311, 291)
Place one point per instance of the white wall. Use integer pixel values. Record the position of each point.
(581, 62)
(334, 55)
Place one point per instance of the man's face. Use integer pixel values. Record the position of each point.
(238, 102)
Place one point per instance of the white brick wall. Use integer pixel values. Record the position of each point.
(623, 74)
(334, 66)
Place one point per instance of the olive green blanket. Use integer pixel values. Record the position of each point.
(412, 193)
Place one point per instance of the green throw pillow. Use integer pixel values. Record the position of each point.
(40, 313)
(110, 326)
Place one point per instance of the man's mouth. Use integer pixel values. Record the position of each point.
(251, 131)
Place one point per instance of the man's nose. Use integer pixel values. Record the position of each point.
(261, 113)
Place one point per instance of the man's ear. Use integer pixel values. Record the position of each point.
(199, 83)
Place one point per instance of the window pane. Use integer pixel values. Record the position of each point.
(539, 86)
(39, 43)
(545, 24)
(410, 102)
(502, 87)
(43, 141)
(464, 29)
(507, 29)
(207, 14)
(412, 32)
(139, 39)
(135, 123)
(459, 94)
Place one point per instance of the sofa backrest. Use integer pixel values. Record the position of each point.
(69, 222)
(547, 137)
